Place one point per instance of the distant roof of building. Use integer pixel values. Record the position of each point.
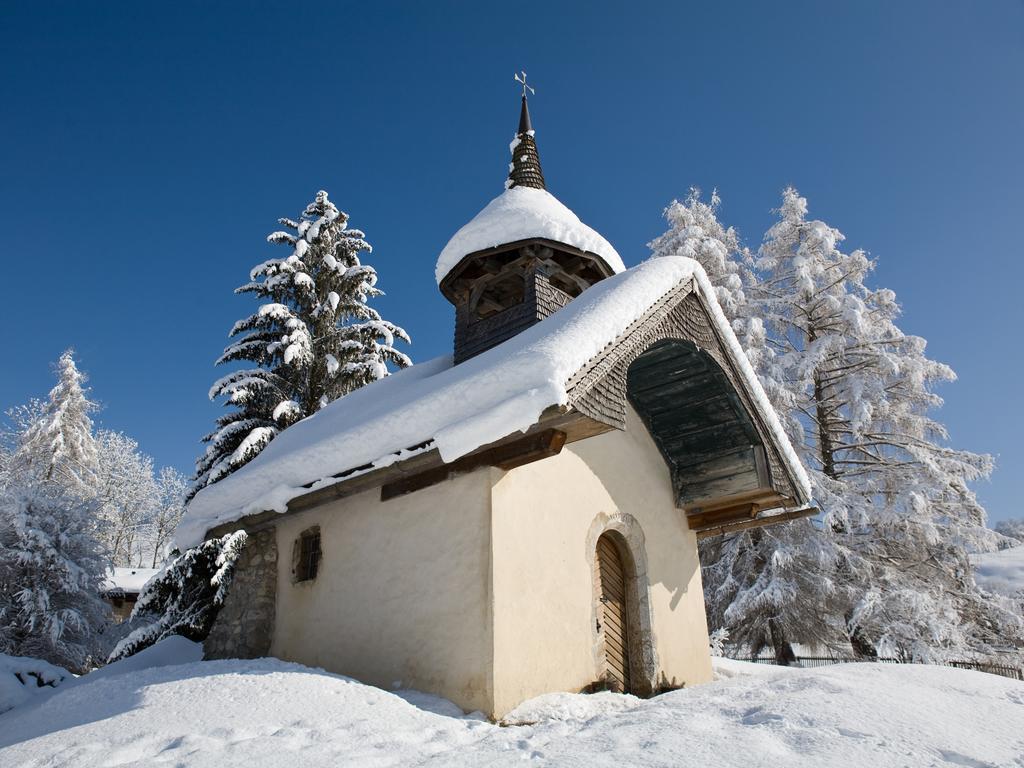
(128, 580)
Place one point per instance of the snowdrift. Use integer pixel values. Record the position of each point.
(270, 713)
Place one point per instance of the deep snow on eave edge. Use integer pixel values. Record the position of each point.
(265, 713)
(457, 409)
(521, 213)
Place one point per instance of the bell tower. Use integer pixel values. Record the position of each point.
(522, 258)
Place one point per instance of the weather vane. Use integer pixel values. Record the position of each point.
(521, 78)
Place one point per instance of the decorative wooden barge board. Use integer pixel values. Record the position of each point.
(673, 367)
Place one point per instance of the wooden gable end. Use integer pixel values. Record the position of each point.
(672, 366)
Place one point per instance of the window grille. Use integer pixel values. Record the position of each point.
(309, 556)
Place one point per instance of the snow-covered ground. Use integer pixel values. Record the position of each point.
(1001, 571)
(271, 713)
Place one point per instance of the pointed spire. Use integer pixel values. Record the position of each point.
(524, 118)
(524, 170)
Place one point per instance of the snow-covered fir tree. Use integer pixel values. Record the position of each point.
(186, 596)
(58, 446)
(314, 339)
(771, 587)
(51, 567)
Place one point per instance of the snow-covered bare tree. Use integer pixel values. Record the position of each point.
(695, 231)
(314, 339)
(51, 567)
(856, 396)
(126, 495)
(170, 506)
(138, 508)
(58, 446)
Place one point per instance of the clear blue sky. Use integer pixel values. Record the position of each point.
(147, 149)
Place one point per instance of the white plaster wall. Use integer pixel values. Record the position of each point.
(402, 593)
(542, 516)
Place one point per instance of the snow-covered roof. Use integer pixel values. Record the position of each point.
(457, 409)
(128, 579)
(521, 213)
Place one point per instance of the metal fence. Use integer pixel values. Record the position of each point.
(1014, 673)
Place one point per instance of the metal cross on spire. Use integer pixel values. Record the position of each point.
(520, 77)
(524, 170)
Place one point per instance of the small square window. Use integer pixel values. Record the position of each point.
(308, 555)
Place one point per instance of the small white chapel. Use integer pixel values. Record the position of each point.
(520, 516)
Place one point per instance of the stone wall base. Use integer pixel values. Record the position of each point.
(244, 628)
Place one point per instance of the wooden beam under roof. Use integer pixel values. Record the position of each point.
(508, 455)
(757, 522)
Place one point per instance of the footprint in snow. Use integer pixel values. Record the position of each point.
(851, 734)
(957, 759)
(756, 716)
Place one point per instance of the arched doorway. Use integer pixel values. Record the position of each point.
(614, 612)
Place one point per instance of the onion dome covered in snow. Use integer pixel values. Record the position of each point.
(521, 258)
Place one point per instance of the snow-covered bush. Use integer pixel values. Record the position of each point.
(186, 596)
(717, 641)
(22, 678)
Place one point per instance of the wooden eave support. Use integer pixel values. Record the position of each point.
(757, 522)
(719, 517)
(506, 456)
(450, 282)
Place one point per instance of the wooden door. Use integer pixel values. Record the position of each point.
(612, 613)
